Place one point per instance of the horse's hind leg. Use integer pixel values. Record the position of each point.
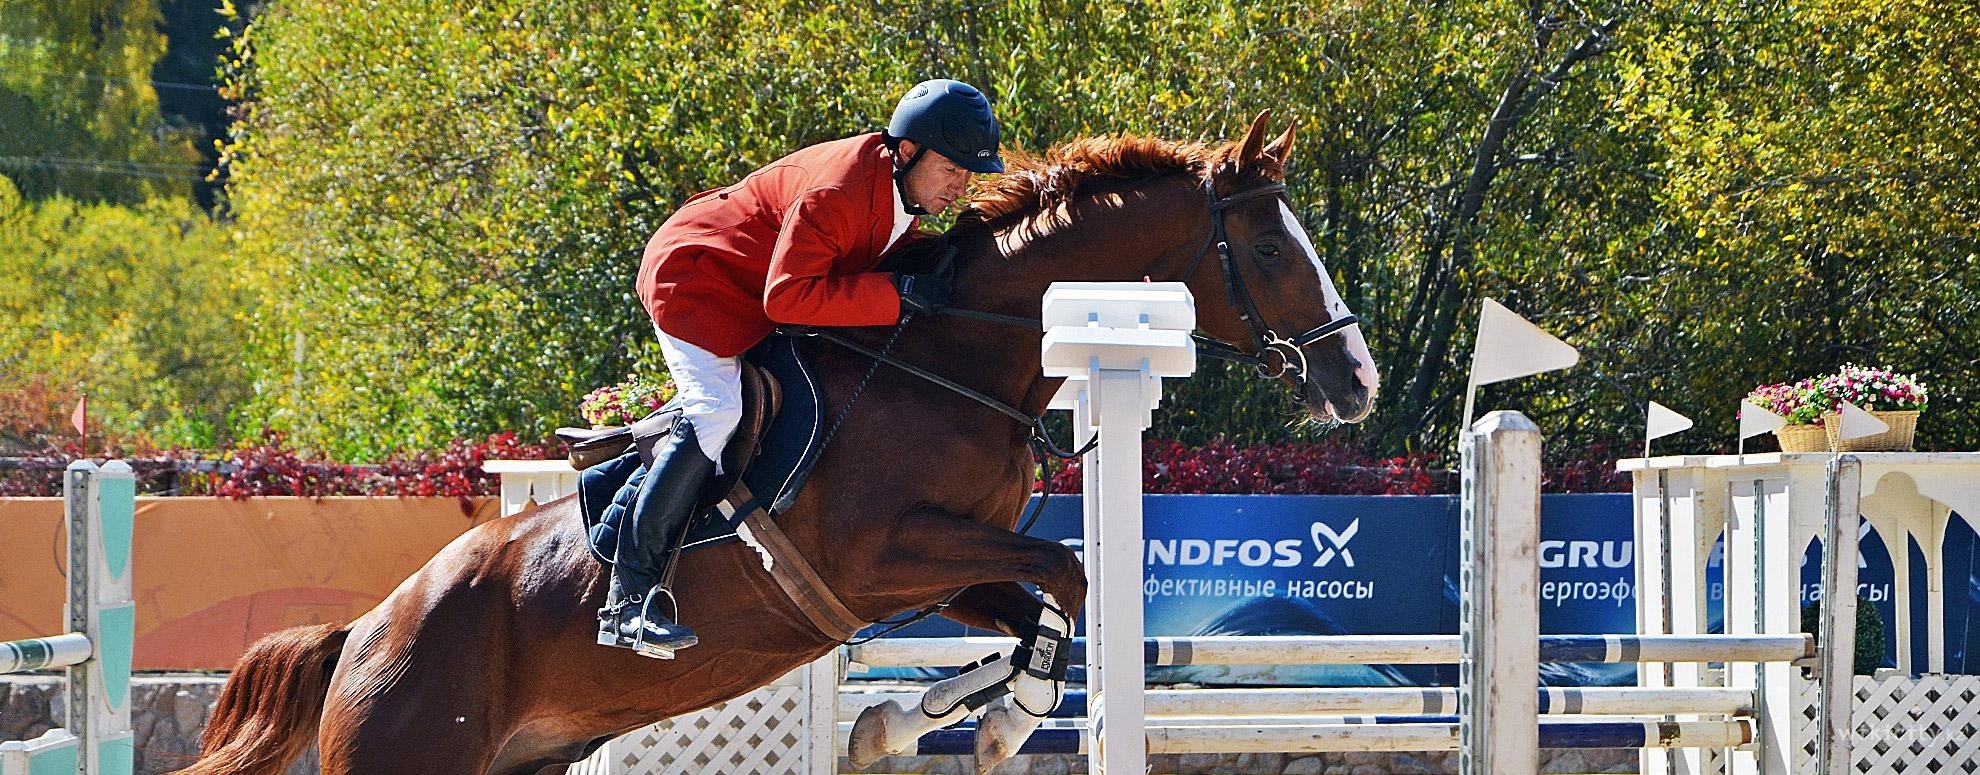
(395, 707)
(408, 737)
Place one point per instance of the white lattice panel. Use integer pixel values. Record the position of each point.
(765, 732)
(1805, 724)
(1905, 725)
(761, 732)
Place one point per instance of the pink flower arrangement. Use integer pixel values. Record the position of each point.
(627, 402)
(1871, 388)
(1793, 401)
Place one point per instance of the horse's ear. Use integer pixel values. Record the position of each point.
(1280, 150)
(1254, 141)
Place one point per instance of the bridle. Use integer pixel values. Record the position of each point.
(1277, 355)
(1291, 359)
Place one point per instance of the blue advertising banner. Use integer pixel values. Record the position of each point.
(1338, 565)
(1875, 583)
(1961, 577)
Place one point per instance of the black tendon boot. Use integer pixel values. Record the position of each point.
(635, 616)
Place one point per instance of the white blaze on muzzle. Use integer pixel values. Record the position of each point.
(1350, 337)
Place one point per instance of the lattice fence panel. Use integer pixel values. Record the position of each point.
(1805, 723)
(1905, 725)
(760, 732)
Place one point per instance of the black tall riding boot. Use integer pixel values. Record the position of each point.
(633, 616)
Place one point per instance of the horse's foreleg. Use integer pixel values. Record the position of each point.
(1015, 691)
(1037, 687)
(1020, 687)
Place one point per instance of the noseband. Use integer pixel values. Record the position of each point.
(1277, 355)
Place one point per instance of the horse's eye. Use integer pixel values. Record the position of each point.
(1268, 251)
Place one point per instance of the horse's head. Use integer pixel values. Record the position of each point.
(1124, 208)
(1262, 288)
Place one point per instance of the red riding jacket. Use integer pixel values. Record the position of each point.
(794, 243)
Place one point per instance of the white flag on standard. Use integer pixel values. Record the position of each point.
(1754, 420)
(1857, 423)
(1510, 347)
(1664, 422)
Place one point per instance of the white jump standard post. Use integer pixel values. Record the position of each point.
(1115, 342)
(1499, 616)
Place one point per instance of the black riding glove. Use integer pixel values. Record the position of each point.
(924, 293)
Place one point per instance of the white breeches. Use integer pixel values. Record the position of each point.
(710, 392)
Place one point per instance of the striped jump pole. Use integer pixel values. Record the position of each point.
(1359, 649)
(100, 509)
(1249, 704)
(21, 656)
(1326, 738)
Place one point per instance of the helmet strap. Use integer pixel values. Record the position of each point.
(900, 179)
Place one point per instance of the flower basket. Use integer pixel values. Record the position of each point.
(1811, 408)
(1803, 438)
(1903, 426)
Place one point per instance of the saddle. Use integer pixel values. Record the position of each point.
(764, 468)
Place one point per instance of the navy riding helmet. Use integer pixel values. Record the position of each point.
(951, 118)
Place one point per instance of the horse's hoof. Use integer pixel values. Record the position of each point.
(869, 735)
(1000, 732)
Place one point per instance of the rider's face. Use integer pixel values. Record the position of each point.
(935, 182)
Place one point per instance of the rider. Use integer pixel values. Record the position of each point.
(795, 242)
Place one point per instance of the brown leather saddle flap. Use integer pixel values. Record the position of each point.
(762, 396)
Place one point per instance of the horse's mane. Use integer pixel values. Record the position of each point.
(1036, 184)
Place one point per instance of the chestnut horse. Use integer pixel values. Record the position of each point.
(484, 661)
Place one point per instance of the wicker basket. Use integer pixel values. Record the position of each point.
(1903, 426)
(1802, 438)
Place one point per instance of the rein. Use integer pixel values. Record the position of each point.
(1277, 355)
(1039, 436)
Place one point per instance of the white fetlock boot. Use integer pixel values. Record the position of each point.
(1036, 690)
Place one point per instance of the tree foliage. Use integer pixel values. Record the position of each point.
(139, 307)
(77, 104)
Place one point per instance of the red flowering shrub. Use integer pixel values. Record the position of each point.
(1587, 470)
(272, 468)
(1326, 469)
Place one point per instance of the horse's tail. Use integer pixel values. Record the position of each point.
(268, 710)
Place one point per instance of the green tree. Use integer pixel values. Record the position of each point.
(79, 113)
(1701, 198)
(138, 307)
(1814, 203)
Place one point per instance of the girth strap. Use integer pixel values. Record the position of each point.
(787, 566)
